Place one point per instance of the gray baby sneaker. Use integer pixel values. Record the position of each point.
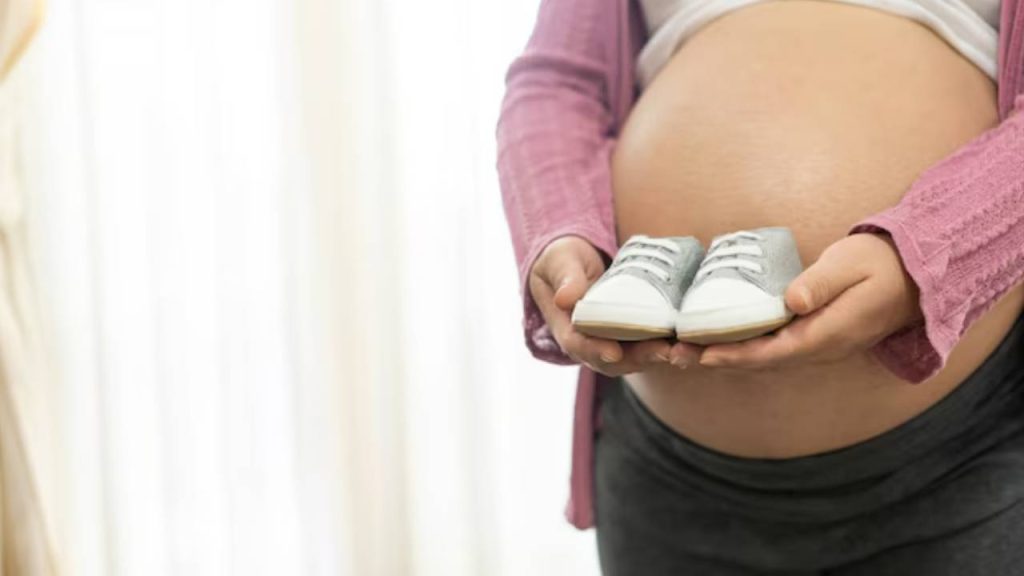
(638, 297)
(738, 292)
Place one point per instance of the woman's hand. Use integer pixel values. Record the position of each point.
(852, 297)
(559, 278)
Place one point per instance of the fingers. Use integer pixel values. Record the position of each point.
(577, 346)
(568, 267)
(566, 279)
(633, 356)
(648, 354)
(790, 344)
(822, 336)
(829, 326)
(834, 272)
(593, 352)
(559, 279)
(571, 287)
(683, 355)
(849, 299)
(636, 357)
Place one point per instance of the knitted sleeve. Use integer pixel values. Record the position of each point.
(555, 140)
(959, 230)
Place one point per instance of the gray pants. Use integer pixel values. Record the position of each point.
(942, 494)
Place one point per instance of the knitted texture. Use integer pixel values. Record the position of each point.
(960, 233)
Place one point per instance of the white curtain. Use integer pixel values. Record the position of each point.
(281, 293)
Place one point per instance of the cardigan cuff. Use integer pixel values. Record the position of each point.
(916, 352)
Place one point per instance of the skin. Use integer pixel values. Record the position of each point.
(815, 140)
(838, 300)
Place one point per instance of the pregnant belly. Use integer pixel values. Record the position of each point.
(810, 115)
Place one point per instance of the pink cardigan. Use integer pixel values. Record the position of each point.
(959, 228)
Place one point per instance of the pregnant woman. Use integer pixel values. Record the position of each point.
(882, 431)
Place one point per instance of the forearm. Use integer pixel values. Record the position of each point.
(555, 137)
(543, 201)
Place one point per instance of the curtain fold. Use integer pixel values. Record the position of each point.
(19, 21)
(29, 502)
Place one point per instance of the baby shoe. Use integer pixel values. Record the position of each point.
(738, 292)
(638, 297)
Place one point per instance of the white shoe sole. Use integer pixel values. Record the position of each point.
(623, 322)
(732, 324)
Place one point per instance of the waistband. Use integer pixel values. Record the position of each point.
(985, 409)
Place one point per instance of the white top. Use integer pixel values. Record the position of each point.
(970, 26)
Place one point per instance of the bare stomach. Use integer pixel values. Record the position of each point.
(810, 115)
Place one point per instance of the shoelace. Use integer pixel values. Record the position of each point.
(645, 253)
(724, 250)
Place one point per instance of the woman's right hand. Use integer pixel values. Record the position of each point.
(560, 277)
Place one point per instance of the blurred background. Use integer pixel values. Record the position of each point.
(258, 306)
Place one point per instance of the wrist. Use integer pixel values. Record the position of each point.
(912, 294)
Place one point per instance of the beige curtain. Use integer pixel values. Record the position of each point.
(27, 454)
(271, 248)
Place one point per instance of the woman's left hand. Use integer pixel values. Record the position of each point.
(852, 297)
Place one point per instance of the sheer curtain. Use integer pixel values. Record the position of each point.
(281, 294)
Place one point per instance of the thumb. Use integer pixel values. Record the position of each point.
(564, 267)
(831, 275)
(570, 284)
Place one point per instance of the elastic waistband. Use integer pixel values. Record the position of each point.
(984, 409)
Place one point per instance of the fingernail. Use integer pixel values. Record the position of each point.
(680, 363)
(711, 361)
(657, 358)
(608, 358)
(805, 296)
